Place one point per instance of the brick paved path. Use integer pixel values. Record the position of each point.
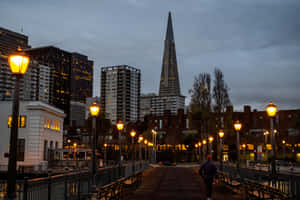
(177, 183)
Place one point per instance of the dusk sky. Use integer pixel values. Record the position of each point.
(256, 43)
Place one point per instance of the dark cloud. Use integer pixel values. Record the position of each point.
(256, 43)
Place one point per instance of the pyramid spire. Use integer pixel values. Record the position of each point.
(170, 34)
(169, 81)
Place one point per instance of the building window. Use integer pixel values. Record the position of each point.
(160, 124)
(21, 121)
(20, 149)
(52, 124)
(45, 149)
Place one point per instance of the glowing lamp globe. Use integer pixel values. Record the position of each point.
(120, 126)
(141, 138)
(132, 133)
(271, 109)
(244, 146)
(237, 125)
(146, 141)
(204, 141)
(18, 63)
(74, 144)
(283, 141)
(199, 144)
(105, 145)
(94, 109)
(221, 133)
(211, 139)
(196, 145)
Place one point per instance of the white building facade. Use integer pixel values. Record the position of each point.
(40, 129)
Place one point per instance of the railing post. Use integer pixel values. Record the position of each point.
(25, 189)
(49, 186)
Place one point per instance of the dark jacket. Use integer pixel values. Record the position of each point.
(209, 169)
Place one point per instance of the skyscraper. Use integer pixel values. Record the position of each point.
(169, 81)
(71, 80)
(10, 41)
(120, 93)
(169, 97)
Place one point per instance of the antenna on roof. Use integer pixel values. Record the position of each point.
(22, 29)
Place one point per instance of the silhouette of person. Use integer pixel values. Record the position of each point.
(208, 170)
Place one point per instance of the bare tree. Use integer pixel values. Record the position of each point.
(201, 102)
(220, 95)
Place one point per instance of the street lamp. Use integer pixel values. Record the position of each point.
(132, 134)
(266, 133)
(75, 157)
(199, 146)
(146, 142)
(283, 143)
(271, 111)
(244, 152)
(140, 147)
(94, 110)
(105, 153)
(196, 149)
(18, 64)
(204, 148)
(237, 127)
(154, 141)
(221, 135)
(120, 127)
(210, 139)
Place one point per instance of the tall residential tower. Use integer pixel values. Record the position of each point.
(120, 93)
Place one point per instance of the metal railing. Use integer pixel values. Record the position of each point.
(71, 185)
(285, 183)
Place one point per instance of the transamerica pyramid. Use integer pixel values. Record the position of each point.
(169, 81)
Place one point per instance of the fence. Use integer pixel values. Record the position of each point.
(72, 185)
(286, 183)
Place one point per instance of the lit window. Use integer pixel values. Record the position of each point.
(21, 121)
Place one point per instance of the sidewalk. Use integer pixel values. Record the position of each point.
(174, 183)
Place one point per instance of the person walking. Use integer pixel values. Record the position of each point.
(208, 170)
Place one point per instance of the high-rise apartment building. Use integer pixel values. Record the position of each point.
(120, 93)
(34, 84)
(71, 80)
(10, 41)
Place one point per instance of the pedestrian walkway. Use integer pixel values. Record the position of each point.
(176, 183)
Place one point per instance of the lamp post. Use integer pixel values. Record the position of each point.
(149, 152)
(210, 139)
(244, 152)
(154, 135)
(199, 146)
(75, 157)
(105, 154)
(146, 146)
(283, 143)
(221, 135)
(271, 111)
(266, 133)
(120, 127)
(132, 134)
(94, 111)
(237, 127)
(140, 147)
(196, 151)
(204, 148)
(18, 64)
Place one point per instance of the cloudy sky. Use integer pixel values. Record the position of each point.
(256, 43)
